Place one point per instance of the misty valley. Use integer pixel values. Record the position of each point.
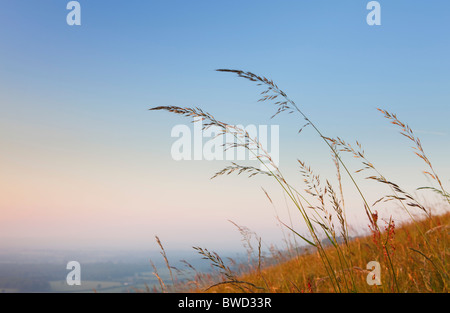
(45, 271)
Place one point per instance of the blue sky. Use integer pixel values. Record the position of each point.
(77, 138)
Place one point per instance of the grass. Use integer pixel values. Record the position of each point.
(413, 258)
(304, 273)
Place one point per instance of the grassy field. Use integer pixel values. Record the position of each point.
(415, 271)
(8, 290)
(411, 258)
(87, 286)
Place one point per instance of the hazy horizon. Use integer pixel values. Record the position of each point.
(85, 165)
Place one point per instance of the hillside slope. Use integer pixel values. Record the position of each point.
(419, 256)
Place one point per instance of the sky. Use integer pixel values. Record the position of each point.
(85, 164)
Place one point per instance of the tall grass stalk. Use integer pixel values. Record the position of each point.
(273, 92)
(317, 215)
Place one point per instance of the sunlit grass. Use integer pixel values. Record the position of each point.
(413, 258)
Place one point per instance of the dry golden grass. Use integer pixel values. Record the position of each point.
(413, 258)
(415, 269)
